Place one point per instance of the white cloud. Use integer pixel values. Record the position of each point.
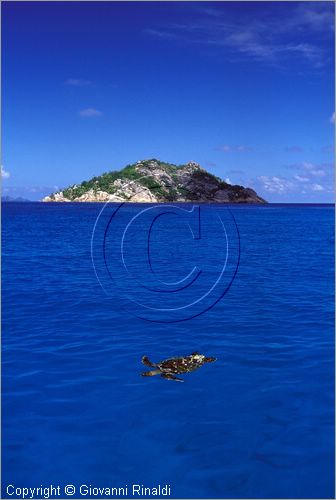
(77, 82)
(312, 169)
(307, 166)
(4, 173)
(276, 184)
(227, 180)
(314, 16)
(255, 38)
(90, 113)
(300, 178)
(226, 148)
(303, 180)
(333, 117)
(317, 187)
(318, 173)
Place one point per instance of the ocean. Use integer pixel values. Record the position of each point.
(86, 294)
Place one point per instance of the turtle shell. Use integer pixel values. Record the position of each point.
(180, 365)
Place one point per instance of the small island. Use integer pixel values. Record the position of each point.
(154, 181)
(12, 199)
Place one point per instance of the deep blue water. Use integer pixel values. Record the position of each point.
(258, 423)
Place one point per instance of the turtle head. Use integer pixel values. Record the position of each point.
(209, 360)
(198, 357)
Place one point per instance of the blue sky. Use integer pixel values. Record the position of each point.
(246, 89)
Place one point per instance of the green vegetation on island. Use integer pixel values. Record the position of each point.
(156, 181)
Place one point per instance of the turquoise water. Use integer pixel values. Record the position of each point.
(258, 423)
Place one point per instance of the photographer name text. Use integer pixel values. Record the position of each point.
(88, 490)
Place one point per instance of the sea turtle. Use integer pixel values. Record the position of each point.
(174, 366)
